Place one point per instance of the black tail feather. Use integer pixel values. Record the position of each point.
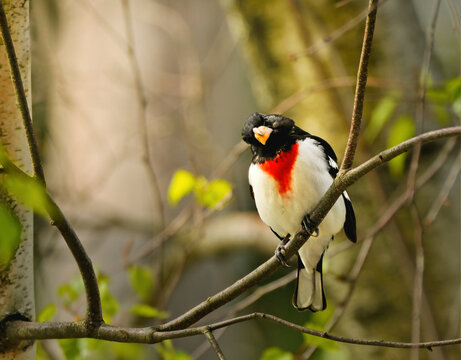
(350, 224)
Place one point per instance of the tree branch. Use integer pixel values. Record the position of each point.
(214, 344)
(148, 335)
(270, 266)
(360, 86)
(21, 95)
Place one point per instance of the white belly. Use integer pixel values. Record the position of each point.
(310, 180)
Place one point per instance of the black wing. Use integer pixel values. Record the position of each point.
(331, 159)
(330, 155)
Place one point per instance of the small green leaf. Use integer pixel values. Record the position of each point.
(441, 114)
(10, 235)
(275, 353)
(70, 292)
(148, 311)
(72, 348)
(109, 304)
(402, 129)
(47, 313)
(212, 194)
(28, 191)
(453, 89)
(168, 352)
(182, 183)
(142, 281)
(380, 116)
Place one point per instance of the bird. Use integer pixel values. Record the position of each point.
(290, 172)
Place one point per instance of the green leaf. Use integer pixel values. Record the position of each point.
(70, 292)
(142, 281)
(47, 313)
(148, 311)
(28, 191)
(72, 348)
(441, 114)
(10, 235)
(454, 92)
(109, 304)
(453, 88)
(380, 116)
(212, 194)
(275, 353)
(168, 352)
(182, 183)
(402, 129)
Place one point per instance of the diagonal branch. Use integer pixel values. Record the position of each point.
(360, 86)
(214, 344)
(270, 266)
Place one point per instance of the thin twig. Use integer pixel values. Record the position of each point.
(72, 330)
(360, 87)
(443, 193)
(335, 35)
(214, 344)
(21, 95)
(419, 116)
(143, 121)
(417, 280)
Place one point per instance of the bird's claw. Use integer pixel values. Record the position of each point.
(280, 251)
(307, 224)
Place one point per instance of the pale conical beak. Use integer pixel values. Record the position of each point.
(262, 133)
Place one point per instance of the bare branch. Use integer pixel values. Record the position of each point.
(417, 280)
(148, 335)
(444, 192)
(422, 98)
(270, 266)
(335, 35)
(214, 344)
(360, 87)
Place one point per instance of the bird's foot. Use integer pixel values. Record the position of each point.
(280, 251)
(307, 225)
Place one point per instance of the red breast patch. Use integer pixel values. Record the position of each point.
(281, 168)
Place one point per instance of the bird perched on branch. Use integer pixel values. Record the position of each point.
(291, 170)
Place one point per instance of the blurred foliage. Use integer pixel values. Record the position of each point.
(381, 114)
(142, 281)
(402, 129)
(210, 194)
(47, 313)
(148, 311)
(168, 352)
(10, 235)
(275, 353)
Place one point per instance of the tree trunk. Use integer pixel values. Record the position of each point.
(16, 281)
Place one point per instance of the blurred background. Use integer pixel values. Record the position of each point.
(139, 106)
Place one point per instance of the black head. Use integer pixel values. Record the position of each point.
(268, 135)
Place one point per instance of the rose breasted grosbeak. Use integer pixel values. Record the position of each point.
(291, 170)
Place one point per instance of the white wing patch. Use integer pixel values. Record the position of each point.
(332, 163)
